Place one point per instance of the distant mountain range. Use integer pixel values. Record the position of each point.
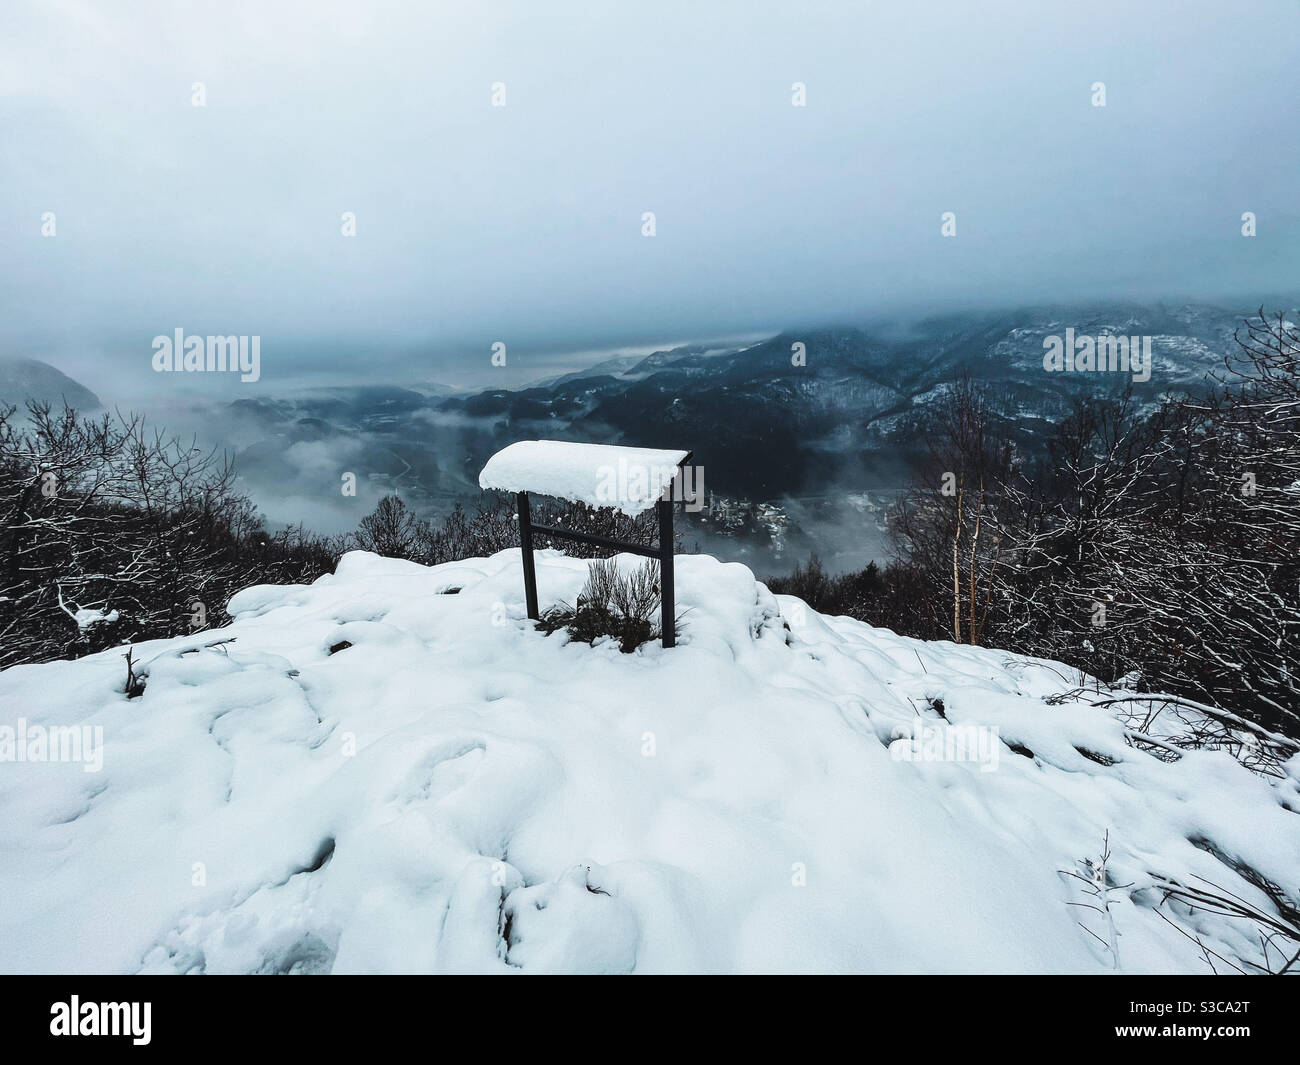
(847, 423)
(854, 414)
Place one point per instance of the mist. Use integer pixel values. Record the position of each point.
(523, 224)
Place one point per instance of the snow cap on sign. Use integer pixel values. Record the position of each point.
(630, 479)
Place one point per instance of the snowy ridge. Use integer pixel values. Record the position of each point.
(392, 771)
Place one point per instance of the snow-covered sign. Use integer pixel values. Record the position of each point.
(630, 479)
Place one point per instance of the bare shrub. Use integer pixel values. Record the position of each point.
(392, 530)
(624, 606)
(144, 534)
(1158, 545)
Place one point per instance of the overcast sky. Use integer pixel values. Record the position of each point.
(523, 223)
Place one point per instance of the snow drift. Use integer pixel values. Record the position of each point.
(392, 771)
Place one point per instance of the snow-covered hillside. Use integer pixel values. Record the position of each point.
(451, 790)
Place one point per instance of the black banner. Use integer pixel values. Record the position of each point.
(144, 1014)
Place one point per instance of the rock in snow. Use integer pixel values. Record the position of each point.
(451, 790)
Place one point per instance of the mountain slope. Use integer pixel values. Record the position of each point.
(392, 771)
(855, 414)
(30, 379)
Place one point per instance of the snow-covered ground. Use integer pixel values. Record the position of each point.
(455, 791)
